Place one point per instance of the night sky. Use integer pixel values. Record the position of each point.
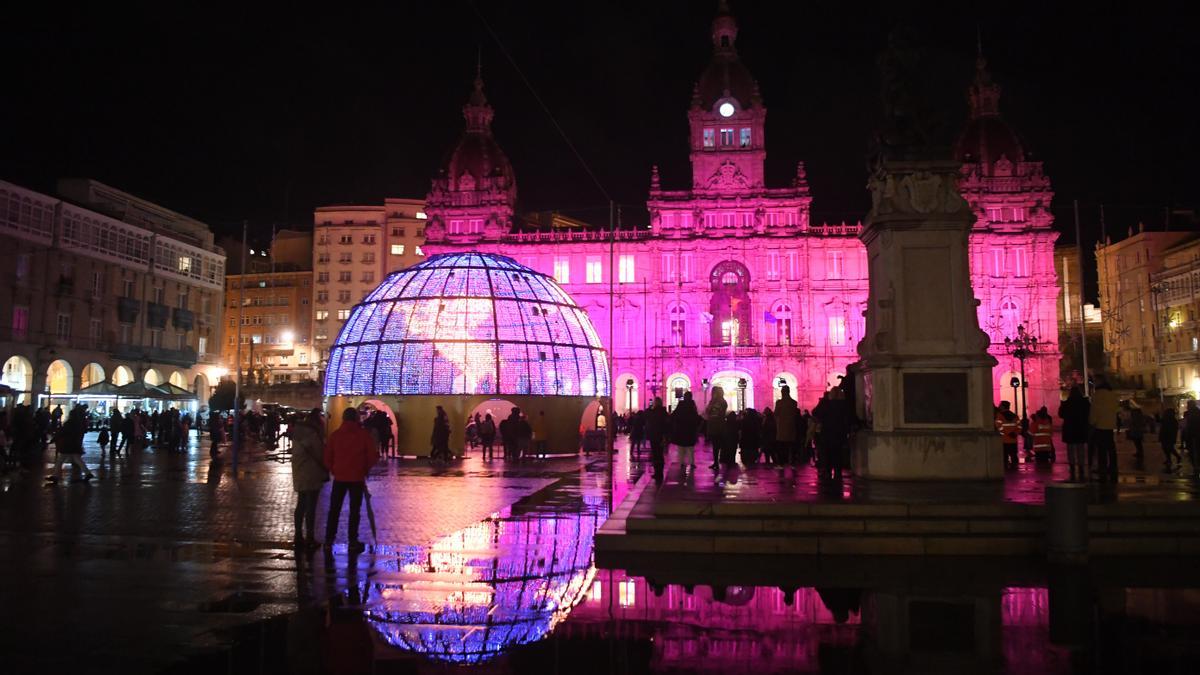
(225, 116)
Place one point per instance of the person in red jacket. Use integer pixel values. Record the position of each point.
(349, 455)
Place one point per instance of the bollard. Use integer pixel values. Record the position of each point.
(1067, 523)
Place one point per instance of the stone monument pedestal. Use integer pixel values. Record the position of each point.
(924, 381)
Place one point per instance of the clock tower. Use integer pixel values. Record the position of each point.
(726, 118)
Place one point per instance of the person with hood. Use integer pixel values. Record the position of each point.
(1074, 414)
(714, 429)
(786, 425)
(685, 430)
(308, 475)
(349, 456)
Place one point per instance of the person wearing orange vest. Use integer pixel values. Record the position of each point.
(1042, 428)
(1010, 428)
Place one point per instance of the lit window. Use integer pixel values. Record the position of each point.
(710, 138)
(782, 315)
(562, 270)
(745, 137)
(835, 264)
(1196, 344)
(627, 593)
(837, 330)
(421, 215)
(343, 314)
(626, 269)
(417, 250)
(185, 264)
(726, 137)
(322, 314)
(594, 273)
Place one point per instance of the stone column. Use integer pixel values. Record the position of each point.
(926, 376)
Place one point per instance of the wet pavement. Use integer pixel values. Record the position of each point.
(168, 563)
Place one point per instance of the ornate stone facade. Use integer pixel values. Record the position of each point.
(731, 282)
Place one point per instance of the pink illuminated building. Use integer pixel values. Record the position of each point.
(732, 284)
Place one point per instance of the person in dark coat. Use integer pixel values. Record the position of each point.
(1136, 432)
(637, 432)
(768, 435)
(487, 436)
(731, 435)
(751, 440)
(1074, 413)
(1191, 436)
(508, 432)
(114, 432)
(524, 434)
(68, 442)
(1168, 436)
(833, 415)
(654, 423)
(440, 438)
(685, 430)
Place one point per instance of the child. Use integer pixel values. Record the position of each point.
(102, 439)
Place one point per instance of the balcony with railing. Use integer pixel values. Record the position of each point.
(725, 351)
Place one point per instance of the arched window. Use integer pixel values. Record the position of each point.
(678, 317)
(782, 315)
(1010, 317)
(729, 304)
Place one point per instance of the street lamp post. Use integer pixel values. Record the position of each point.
(1014, 383)
(741, 394)
(1022, 347)
(629, 396)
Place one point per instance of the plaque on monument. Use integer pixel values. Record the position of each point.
(935, 398)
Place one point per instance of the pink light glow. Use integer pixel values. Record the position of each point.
(731, 260)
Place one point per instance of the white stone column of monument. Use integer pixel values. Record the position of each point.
(925, 370)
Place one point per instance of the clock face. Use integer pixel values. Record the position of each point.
(726, 109)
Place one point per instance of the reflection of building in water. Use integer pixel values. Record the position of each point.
(714, 630)
(473, 594)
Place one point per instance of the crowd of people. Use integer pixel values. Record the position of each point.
(521, 436)
(1090, 427)
(782, 435)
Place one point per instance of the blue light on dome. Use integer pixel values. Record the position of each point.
(467, 323)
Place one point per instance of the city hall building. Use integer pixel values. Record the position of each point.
(732, 283)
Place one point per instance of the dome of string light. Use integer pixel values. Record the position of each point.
(467, 324)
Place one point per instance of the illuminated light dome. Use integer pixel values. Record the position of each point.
(467, 324)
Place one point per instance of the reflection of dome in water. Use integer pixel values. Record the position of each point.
(467, 323)
(488, 588)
